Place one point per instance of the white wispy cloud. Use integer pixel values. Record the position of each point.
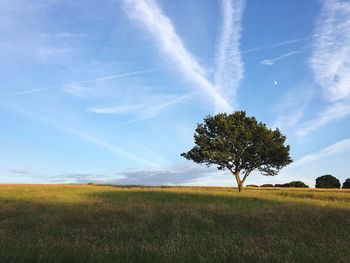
(112, 148)
(25, 92)
(120, 109)
(27, 38)
(82, 88)
(336, 148)
(144, 112)
(117, 76)
(148, 109)
(47, 53)
(229, 71)
(334, 112)
(330, 62)
(272, 61)
(291, 106)
(149, 14)
(62, 35)
(289, 42)
(83, 136)
(172, 175)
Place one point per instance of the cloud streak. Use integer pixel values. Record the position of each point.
(278, 44)
(229, 63)
(149, 15)
(80, 88)
(112, 148)
(292, 106)
(26, 92)
(331, 50)
(334, 112)
(179, 174)
(85, 136)
(272, 61)
(175, 175)
(120, 109)
(145, 112)
(145, 109)
(330, 62)
(117, 76)
(336, 148)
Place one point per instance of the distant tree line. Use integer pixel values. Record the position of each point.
(294, 184)
(324, 181)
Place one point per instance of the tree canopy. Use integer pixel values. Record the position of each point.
(327, 181)
(240, 144)
(346, 184)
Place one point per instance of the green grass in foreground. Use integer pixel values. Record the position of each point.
(80, 223)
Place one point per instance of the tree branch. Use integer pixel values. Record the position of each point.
(245, 176)
(236, 174)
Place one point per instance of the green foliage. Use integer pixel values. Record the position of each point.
(293, 184)
(252, 185)
(240, 144)
(297, 184)
(346, 184)
(266, 185)
(327, 181)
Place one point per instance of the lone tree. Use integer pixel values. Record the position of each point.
(327, 181)
(240, 144)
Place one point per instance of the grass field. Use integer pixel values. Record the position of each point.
(86, 223)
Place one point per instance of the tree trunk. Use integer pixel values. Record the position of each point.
(239, 182)
(240, 186)
(238, 178)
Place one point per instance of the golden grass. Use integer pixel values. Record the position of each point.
(88, 223)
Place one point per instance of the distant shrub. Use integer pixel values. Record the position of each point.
(266, 185)
(294, 184)
(297, 184)
(252, 185)
(327, 181)
(346, 184)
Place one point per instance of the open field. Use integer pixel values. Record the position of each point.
(86, 223)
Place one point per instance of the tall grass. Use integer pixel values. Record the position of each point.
(80, 223)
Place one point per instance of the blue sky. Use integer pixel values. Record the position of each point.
(111, 91)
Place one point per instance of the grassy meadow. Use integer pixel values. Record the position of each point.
(87, 223)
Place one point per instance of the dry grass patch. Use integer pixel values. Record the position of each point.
(82, 223)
